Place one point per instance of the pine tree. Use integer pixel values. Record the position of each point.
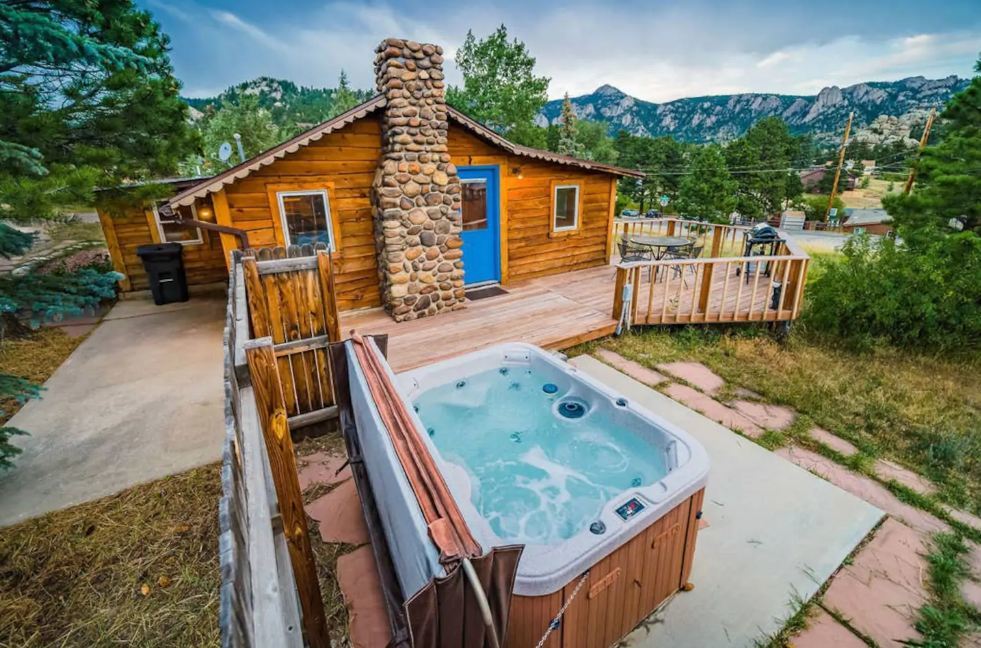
(707, 191)
(344, 98)
(568, 143)
(88, 99)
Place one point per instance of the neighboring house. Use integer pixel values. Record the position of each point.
(415, 199)
(868, 166)
(811, 178)
(871, 221)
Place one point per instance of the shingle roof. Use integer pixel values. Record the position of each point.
(240, 171)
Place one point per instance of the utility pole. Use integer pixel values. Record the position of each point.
(923, 141)
(841, 161)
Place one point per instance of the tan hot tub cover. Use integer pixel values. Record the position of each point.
(445, 612)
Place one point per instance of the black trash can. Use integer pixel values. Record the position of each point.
(165, 270)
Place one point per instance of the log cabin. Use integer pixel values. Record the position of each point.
(416, 201)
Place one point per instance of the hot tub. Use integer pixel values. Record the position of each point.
(604, 494)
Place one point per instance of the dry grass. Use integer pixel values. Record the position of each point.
(870, 197)
(139, 568)
(35, 358)
(923, 411)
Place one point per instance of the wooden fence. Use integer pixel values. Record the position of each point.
(721, 286)
(280, 318)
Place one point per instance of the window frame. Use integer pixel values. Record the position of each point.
(324, 193)
(577, 220)
(160, 230)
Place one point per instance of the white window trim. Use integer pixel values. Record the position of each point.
(305, 192)
(555, 206)
(160, 230)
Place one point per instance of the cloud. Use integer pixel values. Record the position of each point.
(655, 51)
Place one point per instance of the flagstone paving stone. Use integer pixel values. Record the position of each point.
(823, 631)
(864, 487)
(964, 517)
(882, 589)
(836, 443)
(361, 587)
(713, 409)
(694, 373)
(635, 370)
(886, 469)
(321, 468)
(339, 515)
(771, 417)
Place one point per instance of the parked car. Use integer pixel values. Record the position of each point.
(629, 213)
(653, 213)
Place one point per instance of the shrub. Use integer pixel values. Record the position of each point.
(930, 296)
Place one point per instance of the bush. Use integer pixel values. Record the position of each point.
(816, 207)
(929, 297)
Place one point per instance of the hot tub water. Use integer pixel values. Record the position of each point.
(543, 463)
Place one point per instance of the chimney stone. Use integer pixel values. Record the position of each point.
(417, 195)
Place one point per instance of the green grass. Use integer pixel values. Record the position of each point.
(947, 618)
(923, 411)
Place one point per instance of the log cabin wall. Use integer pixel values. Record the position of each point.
(531, 248)
(344, 163)
(136, 226)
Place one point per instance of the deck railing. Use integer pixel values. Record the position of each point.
(269, 583)
(723, 285)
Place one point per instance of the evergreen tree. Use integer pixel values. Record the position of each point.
(946, 199)
(344, 98)
(707, 191)
(248, 119)
(568, 143)
(763, 163)
(88, 99)
(500, 88)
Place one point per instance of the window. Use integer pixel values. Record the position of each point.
(565, 208)
(474, 205)
(170, 231)
(306, 217)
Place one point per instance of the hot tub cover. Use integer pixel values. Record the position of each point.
(424, 533)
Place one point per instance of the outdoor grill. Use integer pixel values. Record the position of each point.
(761, 240)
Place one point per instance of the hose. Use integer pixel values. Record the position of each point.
(485, 610)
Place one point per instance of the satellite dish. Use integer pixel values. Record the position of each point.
(224, 151)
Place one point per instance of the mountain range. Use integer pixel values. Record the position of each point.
(884, 110)
(725, 117)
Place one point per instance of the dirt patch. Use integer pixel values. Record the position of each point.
(137, 568)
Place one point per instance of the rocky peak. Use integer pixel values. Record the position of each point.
(608, 91)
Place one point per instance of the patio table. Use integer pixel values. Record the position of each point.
(661, 244)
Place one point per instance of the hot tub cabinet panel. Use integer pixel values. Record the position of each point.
(621, 590)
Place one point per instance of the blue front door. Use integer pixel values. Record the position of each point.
(481, 224)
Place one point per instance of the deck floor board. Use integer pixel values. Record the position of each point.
(552, 312)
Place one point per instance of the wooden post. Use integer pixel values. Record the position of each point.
(223, 216)
(635, 293)
(718, 234)
(621, 280)
(705, 293)
(794, 279)
(841, 160)
(671, 228)
(255, 295)
(923, 142)
(282, 466)
(325, 272)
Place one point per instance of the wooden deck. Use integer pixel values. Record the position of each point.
(533, 311)
(557, 312)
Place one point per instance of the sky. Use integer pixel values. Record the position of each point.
(657, 50)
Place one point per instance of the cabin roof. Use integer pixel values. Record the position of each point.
(218, 182)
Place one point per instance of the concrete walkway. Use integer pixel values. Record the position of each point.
(139, 399)
(775, 532)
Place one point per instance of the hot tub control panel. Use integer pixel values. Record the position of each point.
(630, 508)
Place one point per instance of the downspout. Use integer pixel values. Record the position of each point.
(190, 223)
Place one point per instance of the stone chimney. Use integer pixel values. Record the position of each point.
(417, 192)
